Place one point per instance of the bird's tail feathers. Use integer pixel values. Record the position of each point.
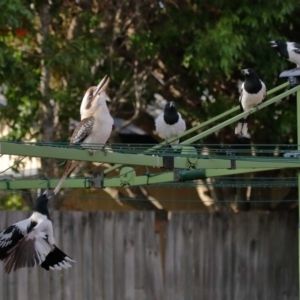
(57, 260)
(71, 164)
(242, 129)
(245, 129)
(58, 187)
(238, 128)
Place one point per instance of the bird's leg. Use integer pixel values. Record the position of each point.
(104, 150)
(91, 153)
(168, 145)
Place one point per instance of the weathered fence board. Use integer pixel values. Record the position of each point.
(235, 256)
(208, 256)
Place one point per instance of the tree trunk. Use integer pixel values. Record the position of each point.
(47, 125)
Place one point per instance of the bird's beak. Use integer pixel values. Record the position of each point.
(273, 44)
(48, 194)
(102, 86)
(245, 71)
(172, 103)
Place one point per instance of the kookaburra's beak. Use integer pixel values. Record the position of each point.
(48, 194)
(102, 86)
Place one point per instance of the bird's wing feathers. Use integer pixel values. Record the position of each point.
(240, 99)
(31, 250)
(82, 130)
(56, 260)
(12, 235)
(265, 90)
(296, 48)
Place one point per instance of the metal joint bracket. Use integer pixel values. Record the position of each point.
(191, 155)
(97, 180)
(87, 182)
(127, 175)
(168, 162)
(232, 161)
(293, 76)
(7, 181)
(48, 182)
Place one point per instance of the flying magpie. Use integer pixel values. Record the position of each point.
(289, 50)
(31, 242)
(253, 91)
(170, 123)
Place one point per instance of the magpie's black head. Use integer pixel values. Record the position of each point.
(41, 204)
(170, 106)
(170, 113)
(252, 82)
(277, 44)
(281, 47)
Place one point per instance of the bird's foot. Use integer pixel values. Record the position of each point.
(104, 150)
(167, 145)
(91, 153)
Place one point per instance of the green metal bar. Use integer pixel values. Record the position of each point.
(215, 172)
(238, 117)
(177, 175)
(84, 182)
(214, 119)
(180, 162)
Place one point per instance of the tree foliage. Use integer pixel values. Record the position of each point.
(51, 51)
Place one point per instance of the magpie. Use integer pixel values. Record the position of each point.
(289, 50)
(31, 242)
(170, 123)
(253, 91)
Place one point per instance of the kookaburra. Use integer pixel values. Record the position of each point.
(95, 126)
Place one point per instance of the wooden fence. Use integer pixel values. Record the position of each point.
(206, 256)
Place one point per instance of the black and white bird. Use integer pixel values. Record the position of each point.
(289, 50)
(95, 126)
(253, 91)
(31, 242)
(170, 123)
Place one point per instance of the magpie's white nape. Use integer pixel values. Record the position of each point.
(31, 242)
(288, 50)
(170, 123)
(253, 91)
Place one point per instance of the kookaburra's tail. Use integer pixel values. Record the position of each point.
(71, 164)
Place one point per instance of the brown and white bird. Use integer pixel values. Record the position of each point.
(31, 242)
(95, 126)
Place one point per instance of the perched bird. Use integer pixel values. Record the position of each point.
(95, 125)
(31, 242)
(170, 123)
(289, 50)
(253, 91)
